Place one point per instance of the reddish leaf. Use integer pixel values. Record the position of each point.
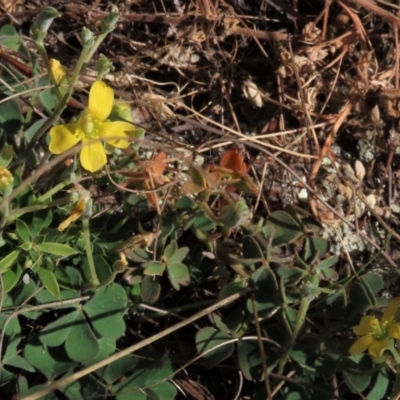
(232, 159)
(191, 188)
(157, 165)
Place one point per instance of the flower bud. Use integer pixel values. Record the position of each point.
(121, 110)
(104, 66)
(109, 22)
(87, 37)
(6, 181)
(42, 23)
(58, 71)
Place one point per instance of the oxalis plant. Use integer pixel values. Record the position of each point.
(179, 282)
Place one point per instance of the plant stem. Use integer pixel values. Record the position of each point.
(3, 221)
(84, 58)
(396, 385)
(55, 189)
(17, 212)
(43, 53)
(301, 316)
(89, 254)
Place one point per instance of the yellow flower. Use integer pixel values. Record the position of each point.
(376, 334)
(57, 70)
(90, 126)
(6, 181)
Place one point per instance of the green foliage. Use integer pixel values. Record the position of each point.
(87, 277)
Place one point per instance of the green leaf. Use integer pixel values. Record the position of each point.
(105, 311)
(163, 391)
(19, 362)
(6, 155)
(68, 277)
(11, 277)
(140, 205)
(20, 294)
(357, 383)
(57, 249)
(41, 219)
(81, 344)
(56, 333)
(10, 116)
(46, 96)
(23, 231)
(150, 370)
(74, 391)
(92, 389)
(26, 246)
(315, 248)
(249, 359)
(361, 295)
(286, 228)
(129, 388)
(264, 302)
(185, 204)
(329, 357)
(265, 280)
(8, 261)
(150, 289)
(198, 175)
(178, 275)
(303, 354)
(232, 323)
(160, 366)
(9, 37)
(208, 338)
(31, 131)
(327, 263)
(251, 249)
(153, 268)
(203, 222)
(107, 348)
(381, 385)
(51, 361)
(49, 281)
(373, 281)
(233, 214)
(117, 369)
(230, 288)
(6, 377)
(12, 332)
(138, 134)
(170, 249)
(178, 256)
(291, 275)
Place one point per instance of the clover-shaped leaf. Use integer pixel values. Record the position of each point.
(285, 228)
(178, 275)
(208, 338)
(153, 268)
(105, 311)
(234, 214)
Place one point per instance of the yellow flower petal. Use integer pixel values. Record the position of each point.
(57, 70)
(101, 99)
(116, 129)
(63, 137)
(93, 155)
(377, 347)
(361, 344)
(390, 311)
(368, 324)
(394, 331)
